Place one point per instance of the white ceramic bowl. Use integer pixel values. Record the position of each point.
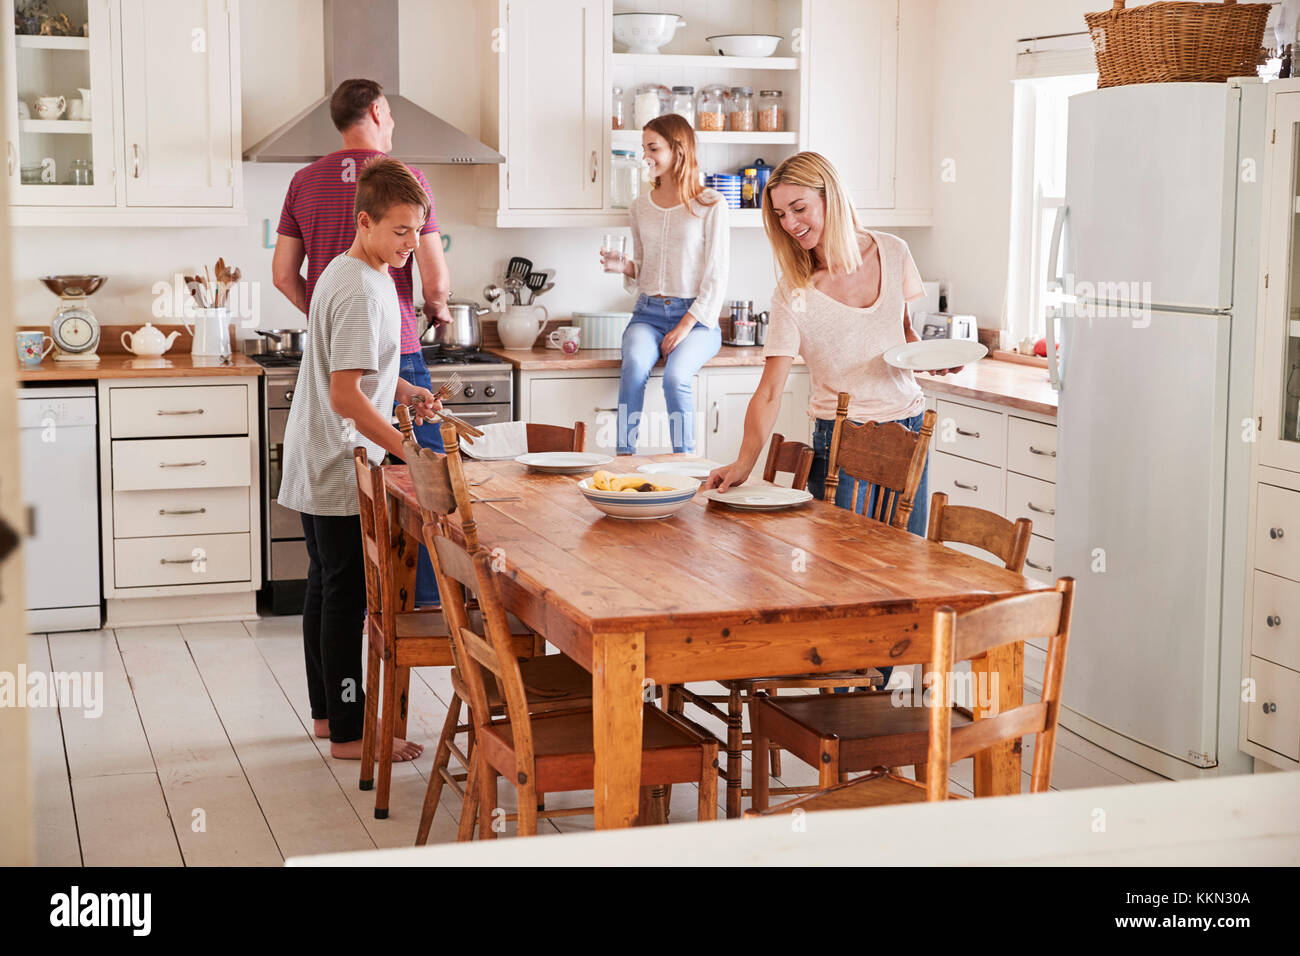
(643, 505)
(745, 44)
(645, 32)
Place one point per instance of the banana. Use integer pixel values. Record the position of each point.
(605, 481)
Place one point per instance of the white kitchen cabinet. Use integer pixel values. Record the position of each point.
(727, 399)
(163, 144)
(178, 123)
(593, 399)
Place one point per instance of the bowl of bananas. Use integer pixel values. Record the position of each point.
(638, 497)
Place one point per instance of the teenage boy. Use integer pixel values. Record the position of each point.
(317, 223)
(344, 397)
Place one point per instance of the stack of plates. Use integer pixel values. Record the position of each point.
(727, 184)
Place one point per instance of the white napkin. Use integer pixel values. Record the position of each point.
(504, 440)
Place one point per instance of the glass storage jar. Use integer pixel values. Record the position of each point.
(712, 111)
(683, 103)
(771, 111)
(740, 113)
(616, 109)
(651, 100)
(624, 178)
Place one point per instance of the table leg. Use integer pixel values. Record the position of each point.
(999, 683)
(618, 668)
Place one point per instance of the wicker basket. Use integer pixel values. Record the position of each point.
(1177, 42)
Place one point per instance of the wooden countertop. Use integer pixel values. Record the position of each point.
(553, 360)
(116, 362)
(1025, 387)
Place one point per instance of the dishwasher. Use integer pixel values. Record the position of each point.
(59, 445)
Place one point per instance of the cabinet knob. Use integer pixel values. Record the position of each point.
(966, 434)
(595, 165)
(135, 160)
(717, 417)
(1275, 533)
(1269, 707)
(1273, 621)
(966, 487)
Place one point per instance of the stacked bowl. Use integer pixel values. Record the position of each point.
(728, 184)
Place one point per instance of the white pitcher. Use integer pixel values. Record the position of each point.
(211, 335)
(521, 324)
(85, 103)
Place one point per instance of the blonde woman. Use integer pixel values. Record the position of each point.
(840, 302)
(678, 269)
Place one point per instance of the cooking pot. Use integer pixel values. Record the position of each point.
(276, 340)
(462, 333)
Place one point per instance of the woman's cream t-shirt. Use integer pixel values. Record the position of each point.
(844, 347)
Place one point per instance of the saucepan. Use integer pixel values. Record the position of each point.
(276, 340)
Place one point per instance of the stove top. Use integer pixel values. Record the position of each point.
(434, 355)
(278, 359)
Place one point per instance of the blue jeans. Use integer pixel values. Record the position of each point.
(917, 521)
(652, 319)
(414, 370)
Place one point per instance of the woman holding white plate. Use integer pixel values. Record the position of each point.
(840, 302)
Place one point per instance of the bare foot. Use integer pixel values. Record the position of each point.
(402, 750)
(321, 728)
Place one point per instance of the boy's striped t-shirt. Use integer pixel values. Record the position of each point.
(318, 210)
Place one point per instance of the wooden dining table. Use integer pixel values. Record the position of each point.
(712, 593)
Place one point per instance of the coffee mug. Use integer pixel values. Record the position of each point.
(32, 348)
(565, 338)
(50, 107)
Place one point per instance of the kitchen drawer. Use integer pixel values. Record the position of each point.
(1032, 499)
(181, 463)
(1275, 620)
(1031, 448)
(181, 559)
(178, 410)
(1277, 532)
(1274, 716)
(966, 482)
(971, 433)
(148, 514)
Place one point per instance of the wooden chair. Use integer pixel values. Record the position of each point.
(538, 752)
(552, 682)
(1006, 540)
(889, 456)
(793, 457)
(826, 731)
(557, 437)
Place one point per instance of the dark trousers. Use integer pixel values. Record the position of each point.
(332, 613)
(413, 370)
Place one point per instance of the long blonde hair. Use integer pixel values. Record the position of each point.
(840, 229)
(680, 136)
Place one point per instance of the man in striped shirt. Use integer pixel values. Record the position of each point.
(317, 224)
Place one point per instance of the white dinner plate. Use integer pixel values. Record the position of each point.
(563, 462)
(932, 354)
(691, 469)
(759, 497)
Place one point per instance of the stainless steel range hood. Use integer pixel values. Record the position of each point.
(361, 41)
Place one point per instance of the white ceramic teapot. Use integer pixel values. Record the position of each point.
(147, 341)
(521, 324)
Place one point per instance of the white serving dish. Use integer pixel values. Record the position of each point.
(643, 505)
(933, 354)
(744, 44)
(563, 462)
(760, 497)
(645, 32)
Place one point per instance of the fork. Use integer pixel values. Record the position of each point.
(449, 387)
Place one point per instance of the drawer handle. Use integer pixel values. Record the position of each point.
(1273, 621)
(717, 417)
(966, 434)
(599, 409)
(175, 560)
(182, 464)
(1039, 567)
(1275, 533)
(183, 511)
(966, 487)
(1270, 707)
(1041, 511)
(1050, 453)
(180, 411)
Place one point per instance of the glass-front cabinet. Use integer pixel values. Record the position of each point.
(1279, 347)
(60, 145)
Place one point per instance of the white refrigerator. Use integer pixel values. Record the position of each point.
(1158, 246)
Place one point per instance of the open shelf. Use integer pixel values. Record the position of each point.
(55, 126)
(625, 138)
(25, 41)
(707, 61)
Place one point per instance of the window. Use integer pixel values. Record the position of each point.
(1048, 72)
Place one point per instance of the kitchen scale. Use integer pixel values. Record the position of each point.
(74, 328)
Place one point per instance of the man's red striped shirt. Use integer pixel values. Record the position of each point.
(318, 210)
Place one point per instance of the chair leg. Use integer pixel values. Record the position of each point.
(373, 667)
(527, 818)
(774, 755)
(828, 773)
(735, 750)
(487, 802)
(673, 703)
(403, 698)
(707, 809)
(469, 807)
(441, 759)
(758, 800)
(387, 707)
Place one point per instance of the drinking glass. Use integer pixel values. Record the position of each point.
(613, 249)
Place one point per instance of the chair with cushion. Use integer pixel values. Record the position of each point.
(841, 733)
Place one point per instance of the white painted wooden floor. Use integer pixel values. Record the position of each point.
(203, 756)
